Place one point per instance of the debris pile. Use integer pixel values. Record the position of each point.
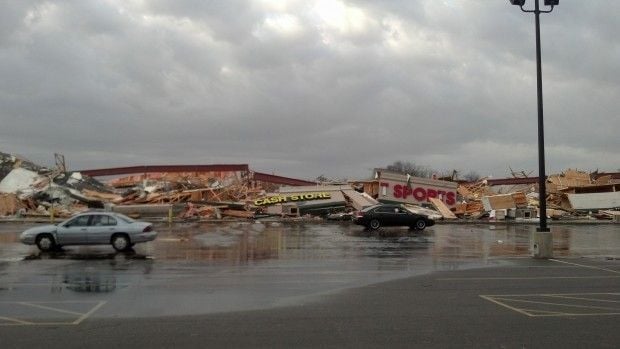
(581, 193)
(571, 194)
(28, 190)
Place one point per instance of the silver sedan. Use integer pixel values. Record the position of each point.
(91, 228)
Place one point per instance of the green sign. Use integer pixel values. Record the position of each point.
(272, 200)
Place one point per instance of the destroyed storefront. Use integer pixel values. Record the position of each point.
(313, 200)
(571, 194)
(28, 190)
(180, 192)
(401, 188)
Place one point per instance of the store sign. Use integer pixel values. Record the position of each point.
(423, 194)
(278, 199)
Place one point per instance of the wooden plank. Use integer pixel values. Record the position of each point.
(195, 195)
(442, 208)
(460, 208)
(9, 204)
(498, 202)
(520, 199)
(474, 207)
(603, 180)
(100, 195)
(238, 213)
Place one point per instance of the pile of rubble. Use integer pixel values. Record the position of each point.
(29, 190)
(571, 194)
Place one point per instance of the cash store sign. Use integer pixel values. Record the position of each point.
(278, 199)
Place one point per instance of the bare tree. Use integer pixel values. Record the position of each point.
(411, 168)
(472, 176)
(322, 179)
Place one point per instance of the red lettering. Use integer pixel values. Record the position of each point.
(398, 191)
(431, 193)
(407, 191)
(441, 195)
(450, 199)
(419, 194)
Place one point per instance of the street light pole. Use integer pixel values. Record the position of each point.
(543, 240)
(542, 178)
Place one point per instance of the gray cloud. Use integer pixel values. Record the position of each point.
(305, 88)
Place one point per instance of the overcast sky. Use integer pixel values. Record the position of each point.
(304, 88)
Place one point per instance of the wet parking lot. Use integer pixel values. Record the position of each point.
(203, 268)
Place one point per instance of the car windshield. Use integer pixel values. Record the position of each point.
(370, 208)
(408, 209)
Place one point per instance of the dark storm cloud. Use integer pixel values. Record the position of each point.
(306, 88)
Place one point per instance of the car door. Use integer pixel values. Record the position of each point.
(409, 218)
(388, 216)
(74, 231)
(101, 228)
(402, 217)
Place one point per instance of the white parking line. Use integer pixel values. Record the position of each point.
(550, 303)
(34, 305)
(586, 266)
(512, 301)
(15, 321)
(490, 299)
(529, 278)
(586, 299)
(88, 314)
(78, 317)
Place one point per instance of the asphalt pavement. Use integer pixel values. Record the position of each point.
(456, 288)
(562, 303)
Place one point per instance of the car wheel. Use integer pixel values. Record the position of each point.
(374, 224)
(45, 242)
(120, 242)
(420, 224)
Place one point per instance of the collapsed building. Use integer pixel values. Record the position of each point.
(233, 191)
(570, 194)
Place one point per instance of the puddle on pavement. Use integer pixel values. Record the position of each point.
(253, 242)
(239, 266)
(247, 242)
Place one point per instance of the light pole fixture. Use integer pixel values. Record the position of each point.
(543, 241)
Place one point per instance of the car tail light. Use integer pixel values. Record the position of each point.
(148, 229)
(359, 214)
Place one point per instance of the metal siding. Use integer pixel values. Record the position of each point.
(264, 177)
(594, 201)
(164, 168)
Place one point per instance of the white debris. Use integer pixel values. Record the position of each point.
(76, 177)
(18, 179)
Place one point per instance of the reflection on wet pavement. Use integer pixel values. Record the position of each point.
(239, 243)
(243, 243)
(205, 267)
